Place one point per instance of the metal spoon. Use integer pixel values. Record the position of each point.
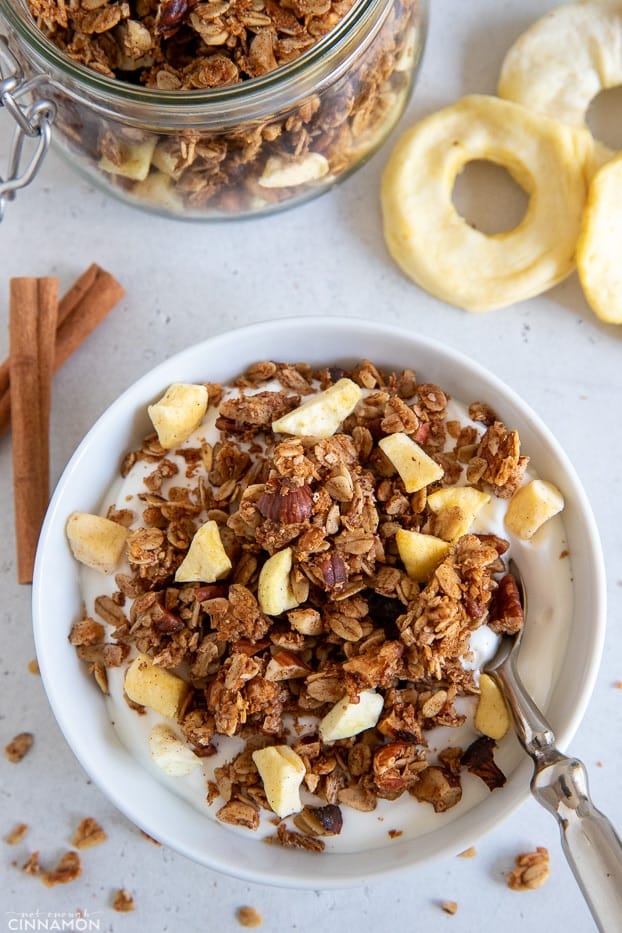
(590, 843)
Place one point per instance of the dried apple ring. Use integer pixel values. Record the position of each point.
(599, 253)
(437, 248)
(563, 60)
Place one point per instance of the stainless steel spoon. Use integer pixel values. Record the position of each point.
(590, 843)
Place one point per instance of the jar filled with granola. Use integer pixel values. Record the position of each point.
(207, 110)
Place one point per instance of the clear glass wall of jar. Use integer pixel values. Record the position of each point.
(243, 149)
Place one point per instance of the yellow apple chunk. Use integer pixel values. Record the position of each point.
(153, 686)
(274, 590)
(206, 559)
(414, 466)
(465, 501)
(531, 506)
(176, 415)
(96, 541)
(321, 415)
(281, 770)
(421, 554)
(491, 717)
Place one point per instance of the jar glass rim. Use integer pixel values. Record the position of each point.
(362, 14)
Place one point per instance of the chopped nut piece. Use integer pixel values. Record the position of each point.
(450, 907)
(123, 901)
(19, 746)
(532, 870)
(17, 834)
(88, 833)
(249, 917)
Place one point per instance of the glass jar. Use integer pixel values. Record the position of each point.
(237, 150)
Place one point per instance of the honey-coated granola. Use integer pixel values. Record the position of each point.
(360, 621)
(185, 45)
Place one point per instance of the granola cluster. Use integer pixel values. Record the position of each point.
(361, 622)
(184, 45)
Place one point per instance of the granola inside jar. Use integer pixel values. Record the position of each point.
(224, 108)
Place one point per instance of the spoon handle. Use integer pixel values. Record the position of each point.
(590, 843)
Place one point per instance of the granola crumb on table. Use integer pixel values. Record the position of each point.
(19, 747)
(17, 834)
(249, 917)
(360, 623)
(123, 901)
(532, 870)
(88, 834)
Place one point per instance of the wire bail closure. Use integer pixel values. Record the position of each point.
(33, 120)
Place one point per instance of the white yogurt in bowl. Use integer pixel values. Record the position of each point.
(554, 649)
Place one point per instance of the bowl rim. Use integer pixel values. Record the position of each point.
(329, 870)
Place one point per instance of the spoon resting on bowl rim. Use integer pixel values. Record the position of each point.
(589, 840)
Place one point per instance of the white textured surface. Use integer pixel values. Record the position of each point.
(185, 282)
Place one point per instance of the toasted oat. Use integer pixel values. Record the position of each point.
(17, 834)
(19, 746)
(67, 870)
(248, 917)
(32, 866)
(33, 666)
(532, 870)
(450, 907)
(123, 901)
(88, 833)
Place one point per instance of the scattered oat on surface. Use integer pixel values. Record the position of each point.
(88, 833)
(33, 666)
(532, 870)
(17, 834)
(31, 866)
(68, 869)
(249, 917)
(471, 852)
(123, 902)
(19, 746)
(450, 907)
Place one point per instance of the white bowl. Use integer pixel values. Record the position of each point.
(78, 704)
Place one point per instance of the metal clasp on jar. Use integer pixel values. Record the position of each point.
(33, 120)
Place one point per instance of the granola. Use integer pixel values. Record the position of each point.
(19, 746)
(270, 156)
(356, 623)
(532, 870)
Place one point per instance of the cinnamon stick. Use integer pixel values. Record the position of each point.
(32, 333)
(84, 306)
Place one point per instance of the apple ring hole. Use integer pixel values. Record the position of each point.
(604, 117)
(488, 198)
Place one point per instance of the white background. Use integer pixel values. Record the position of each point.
(185, 282)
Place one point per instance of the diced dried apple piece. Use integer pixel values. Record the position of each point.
(412, 463)
(274, 590)
(206, 559)
(180, 410)
(169, 753)
(466, 501)
(321, 415)
(149, 685)
(281, 771)
(96, 541)
(421, 554)
(159, 190)
(288, 173)
(491, 716)
(531, 506)
(346, 719)
(134, 159)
